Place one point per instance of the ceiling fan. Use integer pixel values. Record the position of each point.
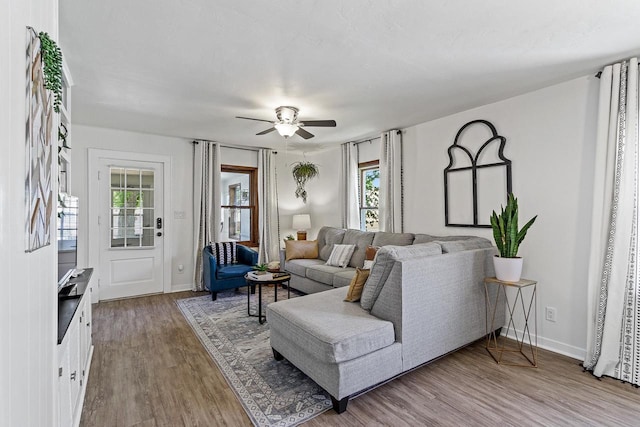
(287, 123)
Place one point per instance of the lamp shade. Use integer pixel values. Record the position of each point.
(286, 129)
(301, 222)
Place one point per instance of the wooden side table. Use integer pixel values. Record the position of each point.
(525, 346)
(283, 278)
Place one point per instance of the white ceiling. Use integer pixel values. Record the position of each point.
(187, 68)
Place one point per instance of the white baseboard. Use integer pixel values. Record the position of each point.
(181, 288)
(555, 346)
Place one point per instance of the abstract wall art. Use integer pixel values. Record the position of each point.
(39, 152)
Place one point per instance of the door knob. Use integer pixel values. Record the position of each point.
(159, 233)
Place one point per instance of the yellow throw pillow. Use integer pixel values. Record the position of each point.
(305, 249)
(356, 285)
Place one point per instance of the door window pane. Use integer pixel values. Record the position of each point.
(132, 209)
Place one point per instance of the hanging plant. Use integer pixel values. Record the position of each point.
(302, 173)
(52, 61)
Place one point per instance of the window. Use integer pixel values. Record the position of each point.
(369, 195)
(132, 207)
(239, 201)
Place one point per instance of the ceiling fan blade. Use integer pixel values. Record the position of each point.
(320, 123)
(257, 120)
(264, 132)
(303, 133)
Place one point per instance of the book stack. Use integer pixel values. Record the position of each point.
(259, 275)
(253, 275)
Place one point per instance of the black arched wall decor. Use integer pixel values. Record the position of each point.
(476, 183)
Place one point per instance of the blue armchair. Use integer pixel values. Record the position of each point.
(220, 277)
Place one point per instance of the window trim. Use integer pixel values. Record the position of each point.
(362, 169)
(253, 200)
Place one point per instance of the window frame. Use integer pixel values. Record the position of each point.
(253, 200)
(362, 170)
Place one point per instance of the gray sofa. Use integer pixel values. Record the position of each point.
(312, 275)
(419, 303)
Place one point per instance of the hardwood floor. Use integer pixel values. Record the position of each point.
(149, 369)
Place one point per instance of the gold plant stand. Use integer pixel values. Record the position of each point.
(525, 347)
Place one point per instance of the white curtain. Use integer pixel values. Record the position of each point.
(268, 216)
(207, 215)
(613, 335)
(349, 186)
(391, 186)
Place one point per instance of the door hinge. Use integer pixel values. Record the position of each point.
(98, 175)
(98, 282)
(98, 219)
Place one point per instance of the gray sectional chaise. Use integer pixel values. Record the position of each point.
(421, 301)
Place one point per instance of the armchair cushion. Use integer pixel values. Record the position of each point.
(232, 270)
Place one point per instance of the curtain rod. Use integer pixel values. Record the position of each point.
(371, 139)
(238, 147)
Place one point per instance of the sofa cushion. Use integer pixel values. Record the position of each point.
(324, 273)
(343, 278)
(361, 239)
(428, 238)
(331, 329)
(229, 271)
(383, 238)
(465, 245)
(356, 285)
(423, 238)
(301, 249)
(341, 255)
(386, 258)
(327, 237)
(299, 266)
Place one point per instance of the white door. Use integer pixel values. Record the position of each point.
(131, 228)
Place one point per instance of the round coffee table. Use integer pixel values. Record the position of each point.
(277, 278)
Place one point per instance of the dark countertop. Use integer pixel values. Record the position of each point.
(68, 300)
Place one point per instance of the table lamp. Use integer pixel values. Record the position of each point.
(302, 223)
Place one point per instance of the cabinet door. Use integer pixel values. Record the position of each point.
(64, 386)
(85, 328)
(82, 332)
(75, 371)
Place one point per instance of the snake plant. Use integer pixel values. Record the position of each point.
(505, 228)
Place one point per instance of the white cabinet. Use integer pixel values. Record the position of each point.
(74, 360)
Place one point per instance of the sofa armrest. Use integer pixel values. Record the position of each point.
(246, 255)
(209, 266)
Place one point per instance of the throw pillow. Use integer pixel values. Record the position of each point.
(356, 285)
(368, 263)
(370, 253)
(341, 255)
(301, 249)
(225, 252)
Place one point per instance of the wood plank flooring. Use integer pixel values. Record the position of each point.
(149, 369)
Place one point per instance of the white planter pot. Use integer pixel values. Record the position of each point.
(507, 269)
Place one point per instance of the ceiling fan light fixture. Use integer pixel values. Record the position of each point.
(286, 129)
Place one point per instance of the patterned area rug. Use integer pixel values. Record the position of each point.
(273, 393)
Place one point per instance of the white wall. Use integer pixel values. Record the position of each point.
(551, 142)
(181, 188)
(323, 192)
(28, 306)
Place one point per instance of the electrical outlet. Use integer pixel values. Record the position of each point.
(550, 314)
